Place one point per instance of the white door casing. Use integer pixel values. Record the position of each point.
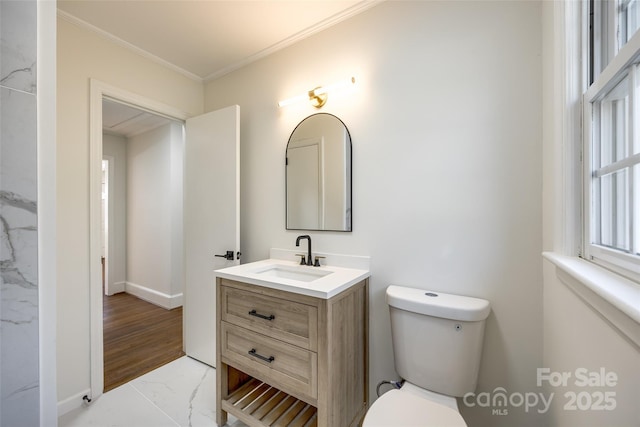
(211, 220)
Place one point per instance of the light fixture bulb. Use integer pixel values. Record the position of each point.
(341, 85)
(292, 100)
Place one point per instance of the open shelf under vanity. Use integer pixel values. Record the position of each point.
(258, 404)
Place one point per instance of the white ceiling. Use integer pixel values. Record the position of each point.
(127, 121)
(205, 39)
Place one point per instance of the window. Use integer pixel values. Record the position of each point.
(612, 138)
(629, 19)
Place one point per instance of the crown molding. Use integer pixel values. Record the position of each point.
(301, 35)
(122, 43)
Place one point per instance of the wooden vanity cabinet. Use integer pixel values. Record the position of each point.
(286, 359)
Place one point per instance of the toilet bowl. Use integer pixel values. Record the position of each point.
(412, 406)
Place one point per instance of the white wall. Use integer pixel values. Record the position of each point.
(116, 147)
(446, 128)
(575, 336)
(154, 219)
(83, 55)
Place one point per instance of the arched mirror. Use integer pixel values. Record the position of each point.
(318, 175)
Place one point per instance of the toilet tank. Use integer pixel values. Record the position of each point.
(437, 338)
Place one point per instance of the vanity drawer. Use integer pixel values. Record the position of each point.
(287, 367)
(289, 321)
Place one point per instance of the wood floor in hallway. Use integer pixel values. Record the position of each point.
(138, 338)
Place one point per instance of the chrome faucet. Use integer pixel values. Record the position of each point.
(306, 236)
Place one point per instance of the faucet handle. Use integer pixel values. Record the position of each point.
(318, 258)
(302, 259)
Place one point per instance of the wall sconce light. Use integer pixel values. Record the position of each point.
(318, 96)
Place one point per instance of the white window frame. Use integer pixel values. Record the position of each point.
(624, 64)
(613, 296)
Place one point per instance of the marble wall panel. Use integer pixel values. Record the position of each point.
(19, 350)
(19, 370)
(18, 41)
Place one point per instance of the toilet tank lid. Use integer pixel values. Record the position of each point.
(438, 304)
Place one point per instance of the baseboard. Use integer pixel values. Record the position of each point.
(116, 288)
(73, 402)
(154, 297)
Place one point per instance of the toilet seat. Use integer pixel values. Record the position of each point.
(405, 409)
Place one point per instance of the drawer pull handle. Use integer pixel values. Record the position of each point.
(261, 357)
(262, 316)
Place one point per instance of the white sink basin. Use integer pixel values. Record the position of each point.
(299, 273)
(285, 273)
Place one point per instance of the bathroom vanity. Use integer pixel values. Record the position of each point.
(292, 344)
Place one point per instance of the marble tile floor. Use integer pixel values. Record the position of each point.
(180, 393)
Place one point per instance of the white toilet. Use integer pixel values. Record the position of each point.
(437, 342)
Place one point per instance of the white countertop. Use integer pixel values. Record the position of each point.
(339, 279)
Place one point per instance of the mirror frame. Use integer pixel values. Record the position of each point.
(350, 173)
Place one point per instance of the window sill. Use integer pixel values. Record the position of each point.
(615, 298)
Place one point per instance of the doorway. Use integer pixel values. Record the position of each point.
(142, 241)
(99, 91)
(211, 222)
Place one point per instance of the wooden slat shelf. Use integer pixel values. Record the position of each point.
(258, 404)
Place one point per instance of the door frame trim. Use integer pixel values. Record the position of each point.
(97, 91)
